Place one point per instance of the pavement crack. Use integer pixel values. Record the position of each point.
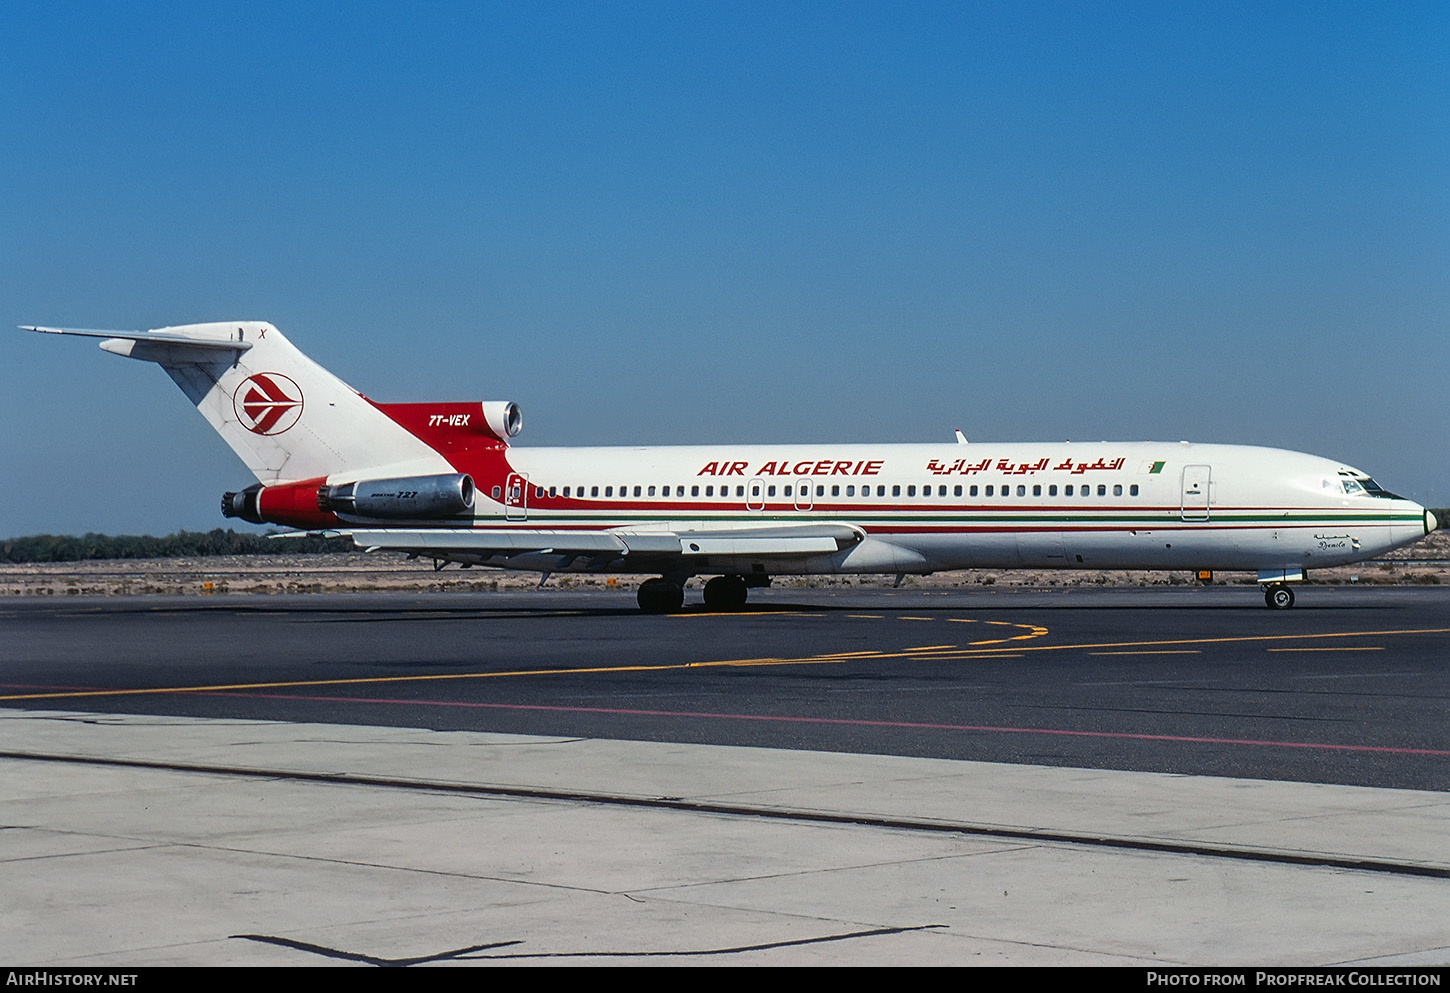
(477, 952)
(725, 950)
(1166, 846)
(337, 953)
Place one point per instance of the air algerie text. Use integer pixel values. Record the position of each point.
(785, 467)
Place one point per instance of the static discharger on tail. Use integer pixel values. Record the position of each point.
(442, 481)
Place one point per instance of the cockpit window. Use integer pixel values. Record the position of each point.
(1364, 486)
(1376, 490)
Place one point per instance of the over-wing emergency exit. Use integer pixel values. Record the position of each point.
(442, 481)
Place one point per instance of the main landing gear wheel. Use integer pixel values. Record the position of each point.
(725, 593)
(1278, 596)
(660, 596)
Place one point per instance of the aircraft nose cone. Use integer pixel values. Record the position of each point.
(1431, 521)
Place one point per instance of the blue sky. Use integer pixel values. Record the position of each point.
(730, 222)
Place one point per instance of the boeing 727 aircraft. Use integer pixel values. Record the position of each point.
(442, 481)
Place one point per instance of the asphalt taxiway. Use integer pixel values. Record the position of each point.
(1350, 687)
(1130, 777)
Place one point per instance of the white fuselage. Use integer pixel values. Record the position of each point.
(924, 508)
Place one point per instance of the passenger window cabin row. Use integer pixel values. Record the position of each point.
(926, 491)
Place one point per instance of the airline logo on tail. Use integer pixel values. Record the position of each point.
(268, 403)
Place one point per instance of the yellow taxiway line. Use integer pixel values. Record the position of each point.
(921, 653)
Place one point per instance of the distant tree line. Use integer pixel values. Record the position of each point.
(70, 548)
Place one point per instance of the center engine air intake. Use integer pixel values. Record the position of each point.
(406, 498)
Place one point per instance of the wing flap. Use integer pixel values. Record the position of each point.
(476, 541)
(758, 547)
(784, 540)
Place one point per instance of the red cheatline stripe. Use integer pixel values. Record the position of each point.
(853, 722)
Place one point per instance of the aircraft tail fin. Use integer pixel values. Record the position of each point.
(284, 415)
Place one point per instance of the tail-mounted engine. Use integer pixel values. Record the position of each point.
(312, 504)
(503, 417)
(458, 427)
(243, 504)
(408, 498)
(292, 504)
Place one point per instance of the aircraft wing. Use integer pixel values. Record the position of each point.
(482, 544)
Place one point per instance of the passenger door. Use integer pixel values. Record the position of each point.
(1195, 500)
(516, 497)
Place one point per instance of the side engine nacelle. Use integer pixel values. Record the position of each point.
(312, 504)
(404, 498)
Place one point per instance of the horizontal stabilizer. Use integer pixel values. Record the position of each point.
(223, 340)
